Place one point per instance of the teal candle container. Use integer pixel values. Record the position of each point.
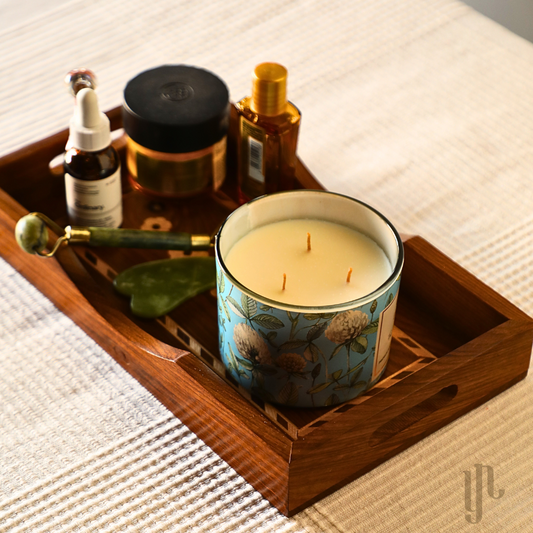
(306, 356)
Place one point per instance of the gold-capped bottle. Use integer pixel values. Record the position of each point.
(268, 128)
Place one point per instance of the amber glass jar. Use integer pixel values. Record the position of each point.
(176, 119)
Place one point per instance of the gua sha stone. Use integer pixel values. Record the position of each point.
(157, 287)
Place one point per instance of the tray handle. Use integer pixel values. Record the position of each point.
(401, 422)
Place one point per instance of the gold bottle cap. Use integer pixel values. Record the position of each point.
(269, 89)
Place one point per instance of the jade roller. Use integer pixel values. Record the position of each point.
(31, 234)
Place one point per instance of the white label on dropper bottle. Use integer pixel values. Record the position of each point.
(94, 203)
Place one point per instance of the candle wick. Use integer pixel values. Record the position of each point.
(284, 281)
(349, 276)
(308, 242)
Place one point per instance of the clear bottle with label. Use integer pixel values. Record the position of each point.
(92, 167)
(268, 135)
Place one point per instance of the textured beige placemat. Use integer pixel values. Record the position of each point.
(421, 108)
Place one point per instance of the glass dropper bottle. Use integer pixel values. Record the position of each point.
(91, 164)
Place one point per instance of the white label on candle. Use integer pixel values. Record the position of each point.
(316, 277)
(384, 338)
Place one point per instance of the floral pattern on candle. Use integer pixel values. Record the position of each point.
(304, 359)
(250, 345)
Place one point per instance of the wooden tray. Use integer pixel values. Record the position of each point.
(456, 343)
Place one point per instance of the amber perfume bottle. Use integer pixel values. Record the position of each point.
(268, 134)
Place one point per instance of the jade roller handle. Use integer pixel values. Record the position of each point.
(32, 236)
(137, 238)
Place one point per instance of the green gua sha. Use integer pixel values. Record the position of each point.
(157, 287)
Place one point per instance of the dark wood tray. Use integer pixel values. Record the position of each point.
(456, 342)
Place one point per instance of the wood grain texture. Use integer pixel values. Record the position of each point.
(456, 344)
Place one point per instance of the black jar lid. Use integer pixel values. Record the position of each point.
(176, 109)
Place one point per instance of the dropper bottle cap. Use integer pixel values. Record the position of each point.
(90, 130)
(269, 89)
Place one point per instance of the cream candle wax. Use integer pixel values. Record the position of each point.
(324, 263)
(323, 339)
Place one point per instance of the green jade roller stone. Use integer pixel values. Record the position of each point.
(157, 287)
(31, 234)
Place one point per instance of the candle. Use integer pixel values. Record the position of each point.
(307, 285)
(316, 275)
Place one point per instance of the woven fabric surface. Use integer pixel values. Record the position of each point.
(422, 108)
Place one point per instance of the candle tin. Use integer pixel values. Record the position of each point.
(297, 355)
(176, 118)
